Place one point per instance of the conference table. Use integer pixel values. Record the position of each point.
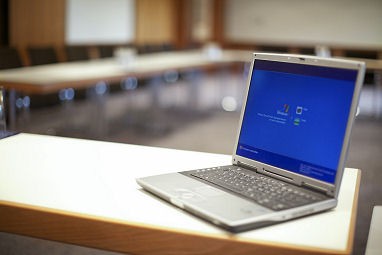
(84, 192)
(52, 78)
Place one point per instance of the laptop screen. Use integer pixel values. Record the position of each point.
(296, 117)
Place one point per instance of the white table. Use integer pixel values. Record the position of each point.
(53, 77)
(374, 245)
(84, 192)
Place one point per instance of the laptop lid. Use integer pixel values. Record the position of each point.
(297, 118)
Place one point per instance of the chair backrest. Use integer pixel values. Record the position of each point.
(271, 48)
(371, 54)
(9, 58)
(154, 48)
(106, 51)
(77, 53)
(42, 55)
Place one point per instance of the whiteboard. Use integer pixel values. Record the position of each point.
(305, 22)
(99, 21)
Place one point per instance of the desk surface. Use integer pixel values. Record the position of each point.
(84, 192)
(374, 245)
(53, 77)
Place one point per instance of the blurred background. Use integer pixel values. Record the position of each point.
(194, 107)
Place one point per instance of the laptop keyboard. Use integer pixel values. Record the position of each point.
(266, 191)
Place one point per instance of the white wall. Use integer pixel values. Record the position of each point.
(100, 21)
(331, 22)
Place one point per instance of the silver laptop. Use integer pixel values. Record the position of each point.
(290, 150)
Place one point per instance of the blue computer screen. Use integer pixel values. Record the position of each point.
(296, 116)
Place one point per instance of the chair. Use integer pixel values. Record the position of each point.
(307, 51)
(9, 58)
(77, 53)
(42, 55)
(106, 51)
(154, 48)
(3, 116)
(2, 112)
(271, 48)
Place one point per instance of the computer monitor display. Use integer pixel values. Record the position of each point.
(296, 116)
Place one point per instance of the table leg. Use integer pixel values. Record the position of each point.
(3, 125)
(12, 109)
(194, 78)
(377, 95)
(98, 121)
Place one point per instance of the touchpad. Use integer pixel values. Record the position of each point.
(208, 191)
(198, 193)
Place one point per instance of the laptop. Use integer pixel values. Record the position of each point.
(290, 151)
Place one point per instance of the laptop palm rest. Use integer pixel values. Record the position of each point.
(190, 194)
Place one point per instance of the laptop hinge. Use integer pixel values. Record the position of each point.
(315, 188)
(279, 176)
(239, 163)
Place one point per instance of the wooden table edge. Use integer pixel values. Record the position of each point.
(139, 238)
(353, 219)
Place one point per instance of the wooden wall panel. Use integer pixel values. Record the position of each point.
(156, 21)
(37, 22)
(218, 22)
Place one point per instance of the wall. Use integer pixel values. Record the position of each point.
(37, 22)
(100, 21)
(339, 23)
(353, 23)
(60, 22)
(156, 21)
(202, 18)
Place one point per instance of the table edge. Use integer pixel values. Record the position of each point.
(124, 236)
